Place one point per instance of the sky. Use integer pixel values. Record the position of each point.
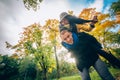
(14, 16)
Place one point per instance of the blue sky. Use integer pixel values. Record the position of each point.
(14, 17)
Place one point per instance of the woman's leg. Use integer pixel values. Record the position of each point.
(85, 74)
(102, 70)
(111, 58)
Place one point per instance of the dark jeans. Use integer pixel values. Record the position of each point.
(101, 69)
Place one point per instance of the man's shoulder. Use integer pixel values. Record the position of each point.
(84, 35)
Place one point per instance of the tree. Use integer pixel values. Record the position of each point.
(27, 69)
(52, 29)
(8, 68)
(87, 14)
(103, 28)
(67, 68)
(115, 9)
(33, 42)
(34, 4)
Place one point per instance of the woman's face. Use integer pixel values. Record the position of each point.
(66, 36)
(64, 21)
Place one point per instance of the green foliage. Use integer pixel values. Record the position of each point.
(112, 37)
(8, 67)
(44, 56)
(28, 47)
(34, 4)
(117, 52)
(27, 69)
(45, 60)
(115, 7)
(33, 43)
(68, 69)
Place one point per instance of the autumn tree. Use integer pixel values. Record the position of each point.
(87, 14)
(52, 30)
(104, 29)
(102, 26)
(33, 43)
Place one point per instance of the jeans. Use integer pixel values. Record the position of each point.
(101, 69)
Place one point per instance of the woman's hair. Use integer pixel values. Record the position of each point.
(64, 28)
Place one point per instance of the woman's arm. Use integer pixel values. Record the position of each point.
(76, 20)
(73, 19)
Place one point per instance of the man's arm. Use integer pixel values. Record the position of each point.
(111, 58)
(98, 48)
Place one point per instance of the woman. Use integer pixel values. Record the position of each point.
(71, 21)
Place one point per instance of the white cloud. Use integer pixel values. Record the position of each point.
(14, 17)
(52, 10)
(98, 4)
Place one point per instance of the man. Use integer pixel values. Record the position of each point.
(85, 54)
(71, 21)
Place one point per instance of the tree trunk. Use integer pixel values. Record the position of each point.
(57, 63)
(44, 74)
(25, 75)
(44, 68)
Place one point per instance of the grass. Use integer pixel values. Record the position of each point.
(94, 75)
(75, 77)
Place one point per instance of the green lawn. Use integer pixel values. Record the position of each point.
(94, 75)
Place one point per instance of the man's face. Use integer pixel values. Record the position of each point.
(66, 36)
(64, 21)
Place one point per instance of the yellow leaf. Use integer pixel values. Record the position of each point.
(50, 70)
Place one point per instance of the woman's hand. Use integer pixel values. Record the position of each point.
(95, 20)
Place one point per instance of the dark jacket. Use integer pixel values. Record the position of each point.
(88, 50)
(85, 54)
(74, 20)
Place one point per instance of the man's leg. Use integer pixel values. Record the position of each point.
(85, 74)
(102, 70)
